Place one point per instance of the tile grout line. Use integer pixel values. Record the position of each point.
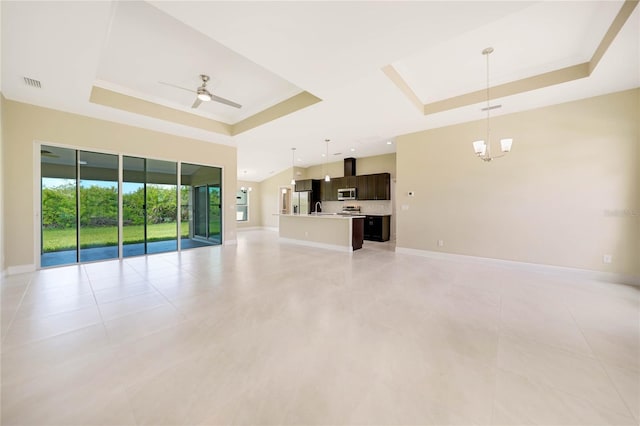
(495, 377)
(602, 365)
(122, 386)
(13, 317)
(573, 355)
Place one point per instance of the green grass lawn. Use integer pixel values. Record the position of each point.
(65, 239)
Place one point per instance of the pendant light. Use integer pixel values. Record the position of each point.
(327, 178)
(482, 148)
(293, 169)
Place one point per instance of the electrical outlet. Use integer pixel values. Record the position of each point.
(306, 233)
(607, 258)
(440, 243)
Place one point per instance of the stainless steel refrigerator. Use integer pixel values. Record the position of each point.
(301, 202)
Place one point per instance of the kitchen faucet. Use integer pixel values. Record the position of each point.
(318, 205)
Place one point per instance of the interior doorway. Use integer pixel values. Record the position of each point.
(284, 201)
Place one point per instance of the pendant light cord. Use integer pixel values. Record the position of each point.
(488, 108)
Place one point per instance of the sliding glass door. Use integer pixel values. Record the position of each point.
(98, 206)
(201, 205)
(58, 193)
(80, 206)
(149, 206)
(214, 213)
(162, 206)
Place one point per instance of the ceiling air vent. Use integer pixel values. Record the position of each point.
(31, 82)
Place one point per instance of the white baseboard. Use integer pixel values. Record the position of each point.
(271, 228)
(249, 228)
(317, 245)
(532, 267)
(20, 269)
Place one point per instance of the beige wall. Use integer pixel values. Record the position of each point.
(568, 192)
(269, 196)
(255, 210)
(23, 124)
(2, 189)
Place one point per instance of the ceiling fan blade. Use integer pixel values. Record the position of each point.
(197, 103)
(45, 153)
(177, 87)
(225, 101)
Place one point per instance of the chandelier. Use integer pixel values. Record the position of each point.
(482, 148)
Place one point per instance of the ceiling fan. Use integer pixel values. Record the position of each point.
(203, 95)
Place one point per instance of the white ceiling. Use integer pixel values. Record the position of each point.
(260, 53)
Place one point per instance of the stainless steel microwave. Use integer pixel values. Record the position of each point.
(346, 194)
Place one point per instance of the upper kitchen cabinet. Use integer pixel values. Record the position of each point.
(374, 187)
(304, 185)
(329, 190)
(349, 182)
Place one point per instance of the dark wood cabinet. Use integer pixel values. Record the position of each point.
(368, 187)
(350, 166)
(374, 187)
(304, 185)
(382, 186)
(349, 182)
(337, 183)
(327, 192)
(362, 187)
(377, 228)
(357, 232)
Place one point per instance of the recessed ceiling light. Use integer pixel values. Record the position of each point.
(353, 149)
(389, 142)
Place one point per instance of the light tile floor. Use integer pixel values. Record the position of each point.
(271, 333)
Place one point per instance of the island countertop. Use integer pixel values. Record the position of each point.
(332, 231)
(327, 216)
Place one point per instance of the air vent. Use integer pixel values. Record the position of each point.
(33, 83)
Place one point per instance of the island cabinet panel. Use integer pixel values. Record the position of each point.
(357, 232)
(377, 228)
(374, 187)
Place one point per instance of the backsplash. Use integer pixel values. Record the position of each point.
(383, 207)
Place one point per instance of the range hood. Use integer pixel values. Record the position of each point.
(349, 167)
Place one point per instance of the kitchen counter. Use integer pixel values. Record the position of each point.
(327, 215)
(332, 231)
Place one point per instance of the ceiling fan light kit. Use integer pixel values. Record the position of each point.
(481, 147)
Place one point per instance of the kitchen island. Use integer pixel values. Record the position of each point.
(331, 231)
